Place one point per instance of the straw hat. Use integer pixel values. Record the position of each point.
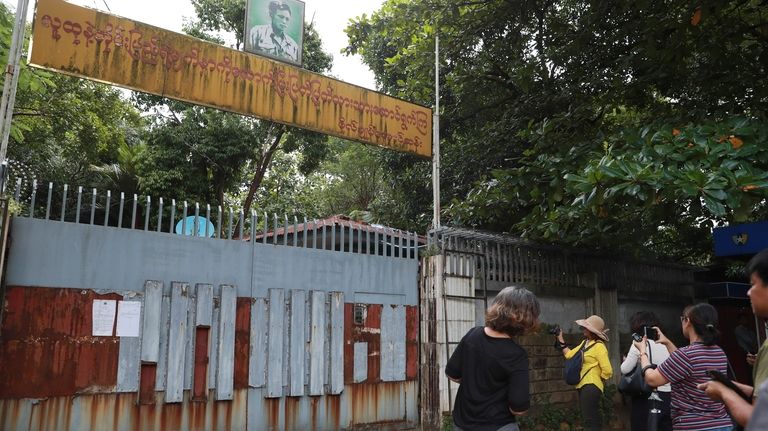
(595, 325)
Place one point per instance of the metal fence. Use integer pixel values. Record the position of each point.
(78, 204)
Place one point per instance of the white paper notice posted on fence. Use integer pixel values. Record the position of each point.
(103, 317)
(128, 318)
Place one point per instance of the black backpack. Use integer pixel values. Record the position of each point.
(573, 365)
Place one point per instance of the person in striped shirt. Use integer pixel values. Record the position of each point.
(686, 368)
(754, 415)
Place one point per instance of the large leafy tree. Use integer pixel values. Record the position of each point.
(622, 125)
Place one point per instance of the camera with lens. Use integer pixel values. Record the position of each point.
(554, 330)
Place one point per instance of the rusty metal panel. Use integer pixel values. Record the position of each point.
(257, 374)
(47, 348)
(275, 343)
(177, 341)
(242, 342)
(360, 373)
(298, 313)
(129, 360)
(336, 361)
(225, 364)
(393, 343)
(204, 298)
(150, 330)
(200, 383)
(157, 61)
(412, 342)
(162, 361)
(317, 343)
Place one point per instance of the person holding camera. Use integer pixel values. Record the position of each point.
(595, 368)
(491, 368)
(687, 368)
(643, 324)
(750, 410)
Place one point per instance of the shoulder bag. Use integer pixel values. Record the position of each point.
(633, 383)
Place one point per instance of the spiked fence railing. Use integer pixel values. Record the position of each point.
(92, 207)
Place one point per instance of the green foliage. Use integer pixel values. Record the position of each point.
(557, 117)
(548, 416)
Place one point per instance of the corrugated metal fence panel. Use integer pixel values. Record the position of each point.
(189, 352)
(336, 364)
(177, 342)
(165, 324)
(47, 347)
(275, 343)
(129, 357)
(360, 373)
(213, 359)
(297, 342)
(204, 296)
(393, 343)
(153, 304)
(225, 364)
(257, 374)
(317, 343)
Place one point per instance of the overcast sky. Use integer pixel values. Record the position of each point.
(330, 17)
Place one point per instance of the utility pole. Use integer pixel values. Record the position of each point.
(9, 87)
(436, 141)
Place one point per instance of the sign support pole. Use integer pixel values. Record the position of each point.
(10, 85)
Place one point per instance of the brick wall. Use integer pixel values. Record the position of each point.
(547, 368)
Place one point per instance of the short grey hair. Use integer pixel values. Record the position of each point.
(514, 311)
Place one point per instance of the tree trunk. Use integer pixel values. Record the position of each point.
(261, 169)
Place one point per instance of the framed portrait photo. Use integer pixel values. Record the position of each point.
(275, 29)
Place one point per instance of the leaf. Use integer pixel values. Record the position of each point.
(696, 17)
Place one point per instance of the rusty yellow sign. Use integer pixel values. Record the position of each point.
(91, 44)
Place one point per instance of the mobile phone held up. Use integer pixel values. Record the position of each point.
(719, 377)
(637, 337)
(651, 333)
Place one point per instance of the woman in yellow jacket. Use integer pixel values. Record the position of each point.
(595, 368)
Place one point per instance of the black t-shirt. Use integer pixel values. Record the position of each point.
(494, 379)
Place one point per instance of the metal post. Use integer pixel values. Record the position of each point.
(436, 141)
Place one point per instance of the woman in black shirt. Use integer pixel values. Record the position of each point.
(491, 368)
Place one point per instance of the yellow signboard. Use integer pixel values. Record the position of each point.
(95, 45)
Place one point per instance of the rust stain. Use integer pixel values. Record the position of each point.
(333, 410)
(372, 335)
(349, 348)
(46, 346)
(370, 403)
(313, 412)
(273, 412)
(147, 383)
(368, 332)
(197, 415)
(411, 342)
(200, 383)
(242, 342)
(291, 412)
